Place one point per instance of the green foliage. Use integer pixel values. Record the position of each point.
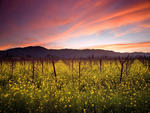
(96, 91)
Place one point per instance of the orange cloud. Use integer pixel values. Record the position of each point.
(6, 46)
(147, 25)
(120, 21)
(60, 21)
(130, 47)
(72, 16)
(134, 14)
(135, 8)
(23, 44)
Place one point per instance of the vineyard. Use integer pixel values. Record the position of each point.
(75, 85)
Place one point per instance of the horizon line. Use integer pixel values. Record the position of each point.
(73, 49)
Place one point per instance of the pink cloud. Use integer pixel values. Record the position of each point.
(130, 47)
(122, 19)
(71, 19)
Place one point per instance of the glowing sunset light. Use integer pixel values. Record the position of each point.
(118, 25)
(130, 47)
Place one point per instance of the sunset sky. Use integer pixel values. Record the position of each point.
(118, 25)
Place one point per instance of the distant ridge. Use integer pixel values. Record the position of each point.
(41, 52)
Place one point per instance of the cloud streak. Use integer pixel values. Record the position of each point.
(131, 47)
(54, 21)
(122, 18)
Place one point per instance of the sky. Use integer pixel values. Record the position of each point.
(118, 25)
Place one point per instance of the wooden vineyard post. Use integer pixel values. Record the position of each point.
(1, 63)
(72, 65)
(149, 63)
(121, 72)
(42, 66)
(33, 70)
(100, 64)
(122, 67)
(53, 63)
(79, 71)
(12, 67)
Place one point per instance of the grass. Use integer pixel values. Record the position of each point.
(94, 92)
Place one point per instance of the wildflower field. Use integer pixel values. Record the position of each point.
(77, 87)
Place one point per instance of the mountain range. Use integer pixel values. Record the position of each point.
(41, 52)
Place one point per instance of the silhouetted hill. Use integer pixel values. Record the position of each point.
(33, 51)
(38, 51)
